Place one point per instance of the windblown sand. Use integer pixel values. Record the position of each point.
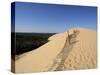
(83, 55)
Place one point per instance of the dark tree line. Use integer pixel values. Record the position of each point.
(24, 42)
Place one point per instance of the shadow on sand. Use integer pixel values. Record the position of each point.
(58, 63)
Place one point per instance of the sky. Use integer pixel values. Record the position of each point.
(53, 18)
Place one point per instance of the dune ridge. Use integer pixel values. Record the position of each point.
(41, 58)
(59, 61)
(80, 55)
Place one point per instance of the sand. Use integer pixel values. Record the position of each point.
(58, 54)
(84, 53)
(41, 58)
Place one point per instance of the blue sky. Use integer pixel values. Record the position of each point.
(51, 18)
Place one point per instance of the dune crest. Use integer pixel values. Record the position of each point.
(41, 58)
(78, 53)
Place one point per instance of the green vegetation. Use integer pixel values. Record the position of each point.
(25, 42)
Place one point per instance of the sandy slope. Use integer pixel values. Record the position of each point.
(41, 58)
(81, 56)
(84, 54)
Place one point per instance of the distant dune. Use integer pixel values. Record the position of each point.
(63, 52)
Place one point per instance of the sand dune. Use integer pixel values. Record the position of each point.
(41, 58)
(58, 54)
(84, 54)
